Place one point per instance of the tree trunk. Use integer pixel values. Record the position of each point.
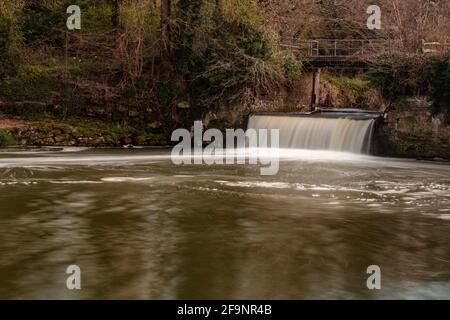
(166, 12)
(219, 6)
(115, 17)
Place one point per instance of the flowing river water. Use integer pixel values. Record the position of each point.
(140, 227)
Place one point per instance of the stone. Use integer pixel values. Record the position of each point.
(124, 140)
(184, 105)
(154, 125)
(61, 138)
(133, 113)
(122, 109)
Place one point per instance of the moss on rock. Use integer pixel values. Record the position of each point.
(6, 139)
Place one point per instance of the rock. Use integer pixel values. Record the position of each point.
(97, 141)
(154, 125)
(133, 113)
(82, 140)
(184, 105)
(126, 140)
(47, 141)
(61, 138)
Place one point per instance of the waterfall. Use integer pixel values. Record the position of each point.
(319, 133)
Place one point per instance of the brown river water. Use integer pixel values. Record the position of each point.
(140, 227)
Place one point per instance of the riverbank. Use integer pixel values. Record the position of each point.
(413, 127)
(76, 131)
(410, 130)
(400, 136)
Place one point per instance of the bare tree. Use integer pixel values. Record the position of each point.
(115, 16)
(166, 12)
(407, 21)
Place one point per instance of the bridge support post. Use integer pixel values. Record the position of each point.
(315, 88)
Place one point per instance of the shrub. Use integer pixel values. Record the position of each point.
(32, 82)
(10, 37)
(400, 75)
(359, 88)
(440, 84)
(407, 75)
(228, 55)
(44, 23)
(6, 139)
(292, 67)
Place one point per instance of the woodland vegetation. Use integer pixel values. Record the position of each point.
(159, 64)
(145, 56)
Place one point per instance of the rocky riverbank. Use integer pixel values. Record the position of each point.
(73, 132)
(410, 130)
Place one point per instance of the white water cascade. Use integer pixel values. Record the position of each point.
(318, 133)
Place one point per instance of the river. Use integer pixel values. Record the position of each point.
(140, 227)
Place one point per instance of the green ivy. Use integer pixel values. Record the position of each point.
(225, 54)
(440, 92)
(6, 139)
(32, 82)
(401, 75)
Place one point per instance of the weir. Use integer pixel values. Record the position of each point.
(342, 130)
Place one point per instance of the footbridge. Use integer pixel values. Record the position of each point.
(352, 52)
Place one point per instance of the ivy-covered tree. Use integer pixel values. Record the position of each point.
(11, 36)
(441, 88)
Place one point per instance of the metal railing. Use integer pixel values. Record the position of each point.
(435, 47)
(354, 48)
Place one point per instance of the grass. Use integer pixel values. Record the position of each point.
(6, 139)
(357, 86)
